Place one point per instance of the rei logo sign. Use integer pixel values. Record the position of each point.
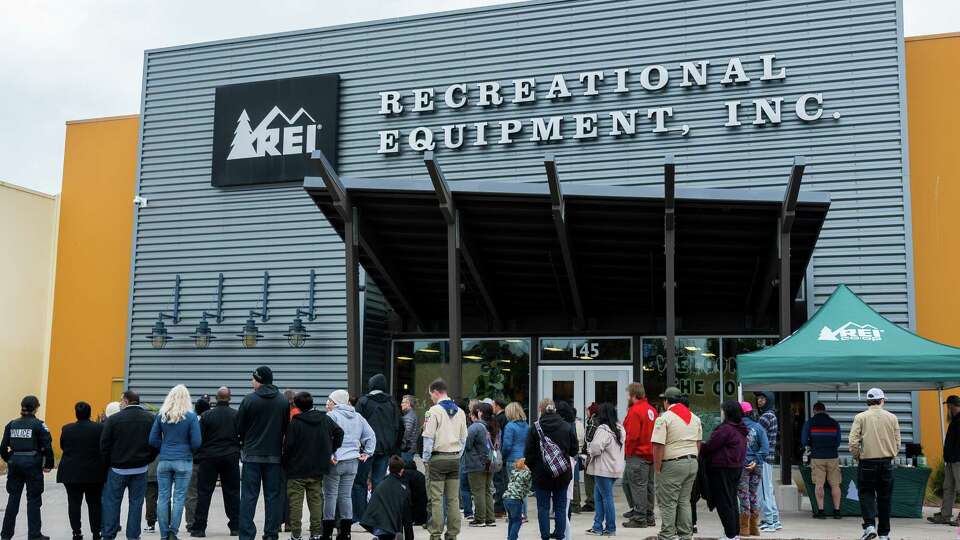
(264, 132)
(851, 332)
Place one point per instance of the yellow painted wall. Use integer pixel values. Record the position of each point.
(89, 328)
(28, 224)
(933, 87)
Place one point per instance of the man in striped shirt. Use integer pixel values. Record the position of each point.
(822, 434)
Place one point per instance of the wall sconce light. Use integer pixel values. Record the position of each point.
(158, 336)
(250, 333)
(297, 334)
(203, 335)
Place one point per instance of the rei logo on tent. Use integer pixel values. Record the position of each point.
(851, 332)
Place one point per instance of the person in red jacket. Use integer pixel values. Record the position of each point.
(638, 482)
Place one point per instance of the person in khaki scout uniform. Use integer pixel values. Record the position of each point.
(874, 442)
(677, 435)
(444, 436)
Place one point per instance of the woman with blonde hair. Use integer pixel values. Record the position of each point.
(514, 438)
(176, 432)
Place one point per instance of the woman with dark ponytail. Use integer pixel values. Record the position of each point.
(481, 439)
(606, 463)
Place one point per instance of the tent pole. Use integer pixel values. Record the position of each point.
(940, 408)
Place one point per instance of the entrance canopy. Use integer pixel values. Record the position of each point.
(543, 257)
(847, 343)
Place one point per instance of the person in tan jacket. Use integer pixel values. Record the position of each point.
(606, 463)
(875, 441)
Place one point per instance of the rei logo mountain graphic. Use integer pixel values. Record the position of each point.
(274, 141)
(851, 332)
(265, 131)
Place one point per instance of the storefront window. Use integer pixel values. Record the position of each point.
(698, 374)
(417, 364)
(497, 369)
(733, 347)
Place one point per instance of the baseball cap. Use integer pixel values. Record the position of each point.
(671, 393)
(875, 393)
(952, 400)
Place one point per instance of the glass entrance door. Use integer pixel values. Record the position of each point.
(581, 387)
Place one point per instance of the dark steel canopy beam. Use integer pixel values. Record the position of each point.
(449, 210)
(338, 193)
(357, 235)
(788, 214)
(669, 249)
(563, 235)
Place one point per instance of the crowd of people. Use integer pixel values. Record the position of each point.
(356, 461)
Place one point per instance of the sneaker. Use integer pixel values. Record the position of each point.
(610, 533)
(837, 514)
(77, 536)
(477, 523)
(818, 514)
(593, 532)
(234, 533)
(870, 533)
(150, 529)
(198, 534)
(884, 537)
(296, 537)
(634, 524)
(940, 520)
(491, 524)
(767, 527)
(629, 514)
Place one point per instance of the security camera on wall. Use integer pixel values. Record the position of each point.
(141, 201)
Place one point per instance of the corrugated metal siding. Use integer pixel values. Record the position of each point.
(848, 51)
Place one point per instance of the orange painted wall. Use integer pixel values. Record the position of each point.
(93, 266)
(933, 87)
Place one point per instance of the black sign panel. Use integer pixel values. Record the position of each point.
(264, 132)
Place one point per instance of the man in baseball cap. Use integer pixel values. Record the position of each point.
(676, 438)
(951, 464)
(875, 441)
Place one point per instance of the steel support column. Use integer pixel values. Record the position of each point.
(784, 229)
(352, 268)
(669, 249)
(454, 306)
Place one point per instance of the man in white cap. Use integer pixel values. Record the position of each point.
(875, 441)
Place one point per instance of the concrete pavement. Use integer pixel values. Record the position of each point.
(795, 525)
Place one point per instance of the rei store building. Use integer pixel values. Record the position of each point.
(547, 198)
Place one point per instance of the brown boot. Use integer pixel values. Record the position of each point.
(744, 525)
(754, 525)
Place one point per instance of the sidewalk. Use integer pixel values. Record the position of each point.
(795, 525)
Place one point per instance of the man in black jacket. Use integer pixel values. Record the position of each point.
(312, 439)
(81, 469)
(951, 464)
(27, 448)
(382, 413)
(261, 424)
(218, 457)
(125, 448)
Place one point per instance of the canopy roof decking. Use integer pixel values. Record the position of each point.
(845, 346)
(538, 256)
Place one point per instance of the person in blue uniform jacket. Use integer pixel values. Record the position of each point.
(28, 450)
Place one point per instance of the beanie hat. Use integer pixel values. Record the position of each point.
(112, 408)
(340, 397)
(746, 407)
(263, 375)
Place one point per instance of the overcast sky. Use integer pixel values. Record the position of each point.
(73, 59)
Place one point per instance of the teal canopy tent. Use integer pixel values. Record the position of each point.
(847, 346)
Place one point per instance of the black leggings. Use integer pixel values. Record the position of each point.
(723, 488)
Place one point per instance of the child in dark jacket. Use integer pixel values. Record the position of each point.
(311, 434)
(389, 510)
(417, 483)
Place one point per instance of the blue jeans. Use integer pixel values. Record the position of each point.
(466, 499)
(136, 485)
(170, 504)
(337, 486)
(559, 499)
(514, 508)
(375, 468)
(768, 500)
(605, 511)
(251, 477)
